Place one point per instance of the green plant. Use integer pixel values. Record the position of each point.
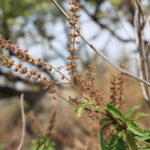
(128, 135)
(42, 143)
(79, 109)
(1, 147)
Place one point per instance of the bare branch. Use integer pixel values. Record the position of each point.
(23, 122)
(13, 78)
(100, 54)
(101, 25)
(139, 25)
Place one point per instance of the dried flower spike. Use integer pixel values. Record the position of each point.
(74, 17)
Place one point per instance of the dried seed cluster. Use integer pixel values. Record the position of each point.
(35, 124)
(74, 17)
(89, 91)
(33, 74)
(36, 127)
(117, 90)
(88, 86)
(51, 124)
(23, 55)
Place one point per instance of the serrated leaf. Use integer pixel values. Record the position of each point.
(142, 138)
(117, 143)
(138, 115)
(131, 111)
(146, 136)
(133, 127)
(115, 112)
(131, 140)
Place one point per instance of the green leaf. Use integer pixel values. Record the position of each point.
(147, 131)
(117, 143)
(105, 119)
(131, 111)
(118, 127)
(43, 143)
(116, 2)
(97, 108)
(144, 147)
(133, 127)
(1, 147)
(142, 138)
(138, 115)
(90, 102)
(79, 110)
(103, 142)
(146, 136)
(131, 140)
(115, 112)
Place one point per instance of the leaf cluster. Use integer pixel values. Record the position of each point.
(80, 109)
(42, 143)
(128, 134)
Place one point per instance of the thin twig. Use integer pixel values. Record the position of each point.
(101, 25)
(101, 54)
(139, 24)
(23, 122)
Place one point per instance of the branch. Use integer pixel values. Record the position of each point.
(95, 19)
(37, 66)
(139, 24)
(14, 78)
(23, 122)
(101, 54)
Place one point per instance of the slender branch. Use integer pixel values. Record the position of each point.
(23, 122)
(101, 54)
(13, 78)
(101, 25)
(139, 24)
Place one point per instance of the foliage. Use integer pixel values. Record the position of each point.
(128, 134)
(24, 11)
(42, 143)
(79, 109)
(116, 2)
(1, 147)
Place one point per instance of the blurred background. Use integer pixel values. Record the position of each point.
(39, 27)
